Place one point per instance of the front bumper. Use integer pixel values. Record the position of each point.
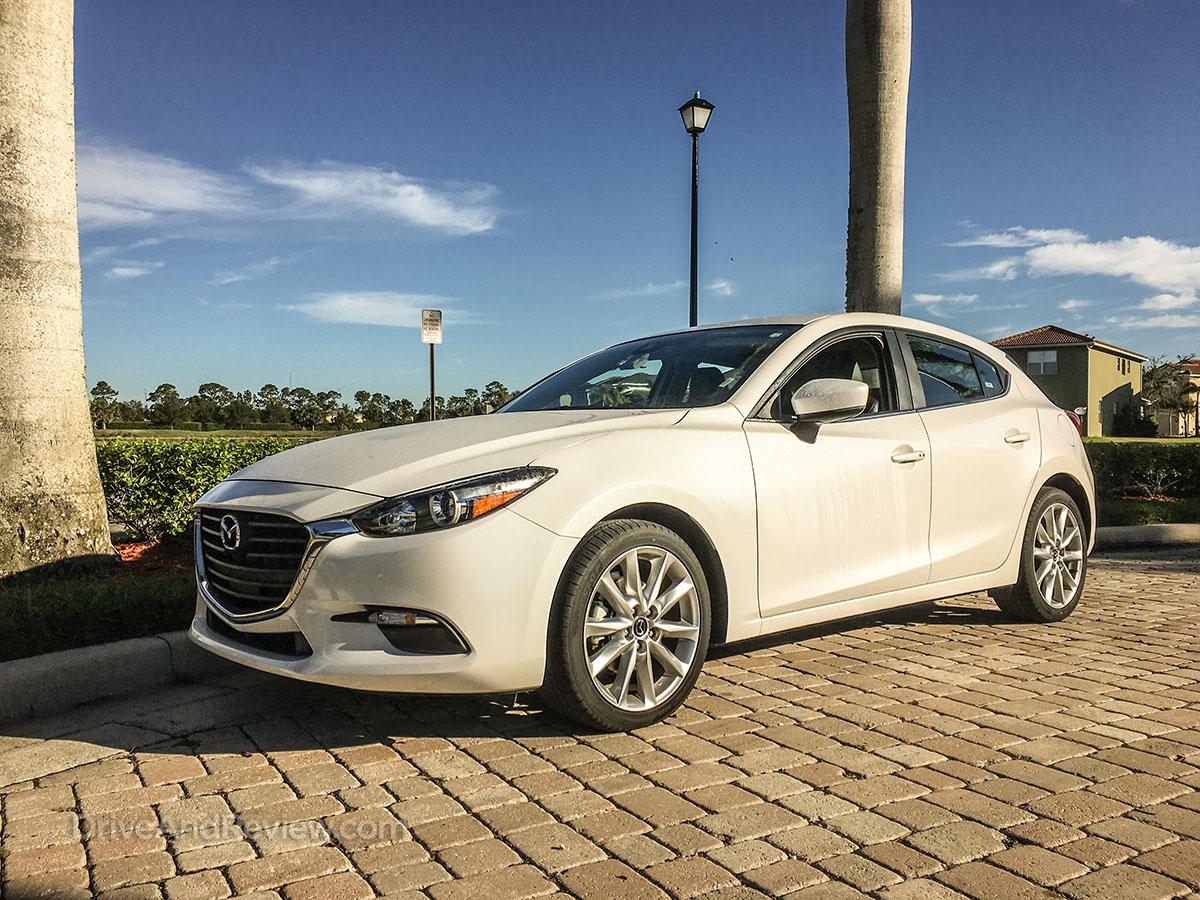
(492, 581)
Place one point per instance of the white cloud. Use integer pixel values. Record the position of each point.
(1147, 261)
(1164, 321)
(126, 270)
(943, 304)
(120, 186)
(1073, 304)
(1168, 301)
(94, 214)
(98, 254)
(251, 271)
(1000, 270)
(997, 331)
(937, 299)
(1020, 237)
(649, 289)
(388, 308)
(721, 287)
(332, 189)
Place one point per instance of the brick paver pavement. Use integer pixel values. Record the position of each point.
(934, 752)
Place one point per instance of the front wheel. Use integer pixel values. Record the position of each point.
(1053, 561)
(630, 628)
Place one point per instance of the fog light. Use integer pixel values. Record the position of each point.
(412, 631)
(403, 617)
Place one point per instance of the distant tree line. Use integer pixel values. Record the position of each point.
(216, 406)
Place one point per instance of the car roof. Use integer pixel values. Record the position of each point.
(762, 320)
(881, 320)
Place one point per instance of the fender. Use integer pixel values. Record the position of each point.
(670, 461)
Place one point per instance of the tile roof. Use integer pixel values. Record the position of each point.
(1057, 336)
(1047, 334)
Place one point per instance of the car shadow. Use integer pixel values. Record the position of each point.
(931, 613)
(244, 712)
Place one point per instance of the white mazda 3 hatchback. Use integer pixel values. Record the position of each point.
(598, 534)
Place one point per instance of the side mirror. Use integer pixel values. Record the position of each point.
(825, 400)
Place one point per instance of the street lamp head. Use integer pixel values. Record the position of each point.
(695, 114)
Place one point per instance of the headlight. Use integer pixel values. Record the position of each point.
(447, 505)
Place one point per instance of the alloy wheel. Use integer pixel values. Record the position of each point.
(642, 628)
(1058, 555)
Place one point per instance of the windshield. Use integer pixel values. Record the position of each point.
(689, 368)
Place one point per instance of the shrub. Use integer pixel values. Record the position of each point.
(1145, 468)
(151, 485)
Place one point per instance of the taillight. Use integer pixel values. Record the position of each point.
(1075, 420)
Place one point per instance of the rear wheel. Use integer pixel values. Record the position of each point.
(1053, 561)
(630, 628)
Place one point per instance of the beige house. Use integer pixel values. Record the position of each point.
(1183, 424)
(1100, 381)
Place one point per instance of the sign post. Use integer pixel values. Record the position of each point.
(431, 334)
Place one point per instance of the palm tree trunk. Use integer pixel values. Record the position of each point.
(51, 503)
(878, 47)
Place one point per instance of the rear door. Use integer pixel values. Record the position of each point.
(985, 451)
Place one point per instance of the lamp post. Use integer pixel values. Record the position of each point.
(695, 115)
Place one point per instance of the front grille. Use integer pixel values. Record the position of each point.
(257, 574)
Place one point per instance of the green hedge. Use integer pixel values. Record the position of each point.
(1145, 468)
(43, 614)
(151, 485)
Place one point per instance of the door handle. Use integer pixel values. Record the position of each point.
(907, 455)
(1017, 437)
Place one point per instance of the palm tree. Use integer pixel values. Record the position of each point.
(51, 504)
(878, 46)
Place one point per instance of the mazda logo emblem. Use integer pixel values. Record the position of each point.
(231, 532)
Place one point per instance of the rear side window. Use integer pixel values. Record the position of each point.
(992, 376)
(948, 373)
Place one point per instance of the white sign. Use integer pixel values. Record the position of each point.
(431, 326)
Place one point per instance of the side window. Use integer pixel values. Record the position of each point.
(994, 379)
(948, 373)
(861, 358)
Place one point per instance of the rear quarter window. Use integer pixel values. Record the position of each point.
(993, 378)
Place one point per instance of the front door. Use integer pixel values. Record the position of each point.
(843, 509)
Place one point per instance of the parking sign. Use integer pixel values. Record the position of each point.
(431, 326)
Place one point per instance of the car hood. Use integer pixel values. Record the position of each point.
(388, 461)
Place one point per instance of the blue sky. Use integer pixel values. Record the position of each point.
(270, 191)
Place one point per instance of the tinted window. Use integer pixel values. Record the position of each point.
(948, 373)
(992, 377)
(701, 367)
(858, 359)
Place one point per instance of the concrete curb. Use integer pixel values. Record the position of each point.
(1118, 537)
(53, 682)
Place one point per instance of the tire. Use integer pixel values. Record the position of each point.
(594, 590)
(1060, 559)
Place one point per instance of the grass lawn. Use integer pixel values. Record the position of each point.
(1135, 511)
(170, 434)
(154, 593)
